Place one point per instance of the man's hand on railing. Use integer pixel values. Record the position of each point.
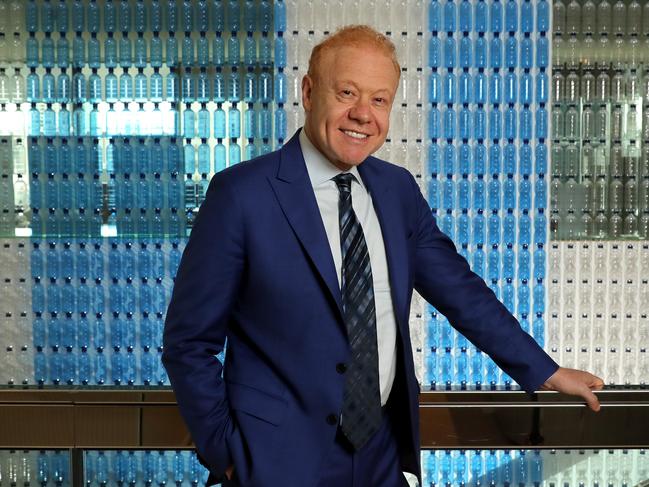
(576, 383)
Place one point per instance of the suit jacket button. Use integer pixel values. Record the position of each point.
(332, 419)
(341, 368)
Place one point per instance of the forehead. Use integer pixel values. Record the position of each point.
(361, 64)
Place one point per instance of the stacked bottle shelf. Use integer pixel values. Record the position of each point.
(596, 315)
(143, 468)
(201, 72)
(28, 467)
(487, 165)
(114, 116)
(534, 468)
(600, 169)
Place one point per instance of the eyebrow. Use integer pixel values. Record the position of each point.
(349, 82)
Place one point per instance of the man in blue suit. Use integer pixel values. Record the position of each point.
(305, 259)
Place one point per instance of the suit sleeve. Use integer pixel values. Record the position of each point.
(204, 293)
(444, 279)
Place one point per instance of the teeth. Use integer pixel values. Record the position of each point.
(356, 135)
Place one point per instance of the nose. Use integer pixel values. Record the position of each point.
(360, 112)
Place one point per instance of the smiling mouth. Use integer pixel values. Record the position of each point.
(354, 134)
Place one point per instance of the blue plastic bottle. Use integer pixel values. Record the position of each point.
(94, 52)
(49, 122)
(435, 52)
(220, 157)
(543, 16)
(31, 16)
(171, 87)
(450, 17)
(62, 52)
(202, 51)
(527, 52)
(155, 47)
(234, 123)
(140, 87)
(125, 17)
(203, 122)
(203, 157)
(110, 51)
(234, 51)
(47, 17)
(78, 52)
(171, 50)
(126, 91)
(110, 16)
(33, 87)
(155, 86)
(187, 51)
(49, 86)
(31, 51)
(218, 51)
(140, 17)
(47, 51)
(219, 123)
(189, 122)
(511, 52)
(155, 15)
(188, 87)
(125, 51)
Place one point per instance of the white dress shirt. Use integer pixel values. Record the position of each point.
(321, 173)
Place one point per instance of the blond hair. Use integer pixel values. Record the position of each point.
(354, 36)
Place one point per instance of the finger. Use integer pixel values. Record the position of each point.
(598, 384)
(591, 400)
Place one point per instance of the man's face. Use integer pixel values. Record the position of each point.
(348, 105)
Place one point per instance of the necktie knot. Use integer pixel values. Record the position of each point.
(344, 182)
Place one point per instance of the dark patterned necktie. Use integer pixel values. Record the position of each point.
(361, 415)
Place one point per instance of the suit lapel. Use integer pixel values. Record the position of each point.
(386, 205)
(294, 192)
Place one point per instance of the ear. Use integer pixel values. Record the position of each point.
(307, 91)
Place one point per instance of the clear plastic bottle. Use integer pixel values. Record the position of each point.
(559, 17)
(573, 17)
(603, 87)
(587, 88)
(17, 88)
(588, 123)
(572, 88)
(617, 123)
(634, 18)
(619, 16)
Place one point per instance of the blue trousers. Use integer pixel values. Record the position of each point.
(374, 465)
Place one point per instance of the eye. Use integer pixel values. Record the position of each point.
(347, 92)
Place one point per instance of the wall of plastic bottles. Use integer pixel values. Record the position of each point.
(597, 319)
(534, 468)
(142, 468)
(599, 188)
(600, 121)
(114, 115)
(30, 467)
(523, 468)
(488, 64)
(101, 468)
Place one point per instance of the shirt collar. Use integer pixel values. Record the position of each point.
(320, 169)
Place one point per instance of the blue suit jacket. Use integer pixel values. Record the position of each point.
(258, 270)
